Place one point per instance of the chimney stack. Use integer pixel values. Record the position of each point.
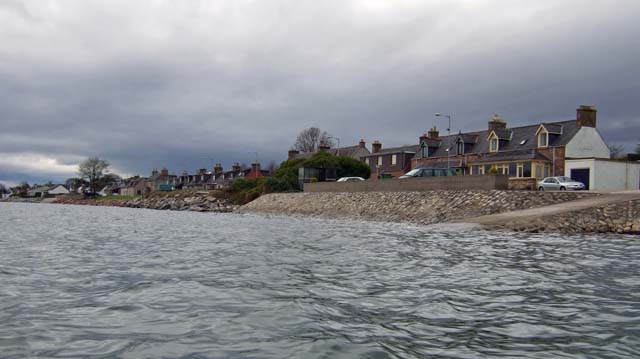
(154, 173)
(362, 144)
(323, 146)
(255, 166)
(202, 171)
(424, 137)
(586, 116)
(164, 172)
(236, 166)
(218, 168)
(433, 132)
(376, 146)
(497, 123)
(293, 154)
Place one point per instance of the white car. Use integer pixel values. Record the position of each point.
(350, 179)
(559, 183)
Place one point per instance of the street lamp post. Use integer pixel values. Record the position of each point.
(448, 136)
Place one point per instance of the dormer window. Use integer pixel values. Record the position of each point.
(425, 151)
(494, 143)
(543, 139)
(460, 148)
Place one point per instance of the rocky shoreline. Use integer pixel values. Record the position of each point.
(420, 208)
(196, 201)
(433, 207)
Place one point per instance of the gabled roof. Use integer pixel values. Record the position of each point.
(551, 128)
(467, 137)
(501, 134)
(522, 138)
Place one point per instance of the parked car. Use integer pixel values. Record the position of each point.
(350, 179)
(429, 172)
(559, 183)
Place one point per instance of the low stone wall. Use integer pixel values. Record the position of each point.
(425, 207)
(414, 184)
(618, 217)
(523, 184)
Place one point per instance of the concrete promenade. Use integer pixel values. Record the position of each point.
(555, 209)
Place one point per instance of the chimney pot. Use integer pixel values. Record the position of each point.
(362, 144)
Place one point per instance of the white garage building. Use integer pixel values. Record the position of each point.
(604, 175)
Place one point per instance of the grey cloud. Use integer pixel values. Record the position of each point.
(184, 84)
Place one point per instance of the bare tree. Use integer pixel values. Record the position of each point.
(3, 189)
(309, 139)
(93, 169)
(615, 150)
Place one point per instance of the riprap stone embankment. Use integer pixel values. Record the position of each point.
(427, 207)
(175, 201)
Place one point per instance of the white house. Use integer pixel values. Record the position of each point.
(603, 174)
(58, 189)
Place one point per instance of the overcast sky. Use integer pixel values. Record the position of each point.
(184, 84)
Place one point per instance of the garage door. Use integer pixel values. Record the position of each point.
(581, 175)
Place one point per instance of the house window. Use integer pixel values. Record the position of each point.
(461, 148)
(425, 152)
(477, 170)
(543, 139)
(541, 170)
(494, 144)
(520, 170)
(366, 160)
(379, 160)
(394, 159)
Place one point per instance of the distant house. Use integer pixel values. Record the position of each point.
(533, 151)
(357, 151)
(135, 186)
(58, 190)
(218, 178)
(40, 191)
(160, 181)
(389, 162)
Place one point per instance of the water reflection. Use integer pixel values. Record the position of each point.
(113, 282)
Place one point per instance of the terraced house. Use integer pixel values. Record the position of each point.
(526, 152)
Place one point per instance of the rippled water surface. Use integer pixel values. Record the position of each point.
(86, 282)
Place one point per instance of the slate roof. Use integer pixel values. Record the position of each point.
(392, 150)
(350, 151)
(522, 138)
(513, 155)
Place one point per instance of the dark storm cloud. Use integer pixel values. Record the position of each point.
(184, 85)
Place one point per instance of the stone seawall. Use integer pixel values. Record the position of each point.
(414, 207)
(177, 201)
(621, 217)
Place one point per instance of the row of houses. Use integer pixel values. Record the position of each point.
(573, 148)
(204, 180)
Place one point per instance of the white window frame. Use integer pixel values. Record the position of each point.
(497, 142)
(366, 160)
(543, 135)
(394, 159)
(379, 161)
(520, 170)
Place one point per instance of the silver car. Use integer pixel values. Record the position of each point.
(559, 183)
